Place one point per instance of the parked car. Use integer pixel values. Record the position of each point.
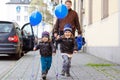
(13, 41)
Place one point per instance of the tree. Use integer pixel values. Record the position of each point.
(42, 7)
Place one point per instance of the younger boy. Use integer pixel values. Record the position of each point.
(46, 49)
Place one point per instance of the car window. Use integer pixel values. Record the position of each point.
(27, 29)
(19, 32)
(5, 27)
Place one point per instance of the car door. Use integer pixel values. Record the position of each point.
(28, 37)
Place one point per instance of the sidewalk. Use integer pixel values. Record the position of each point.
(84, 67)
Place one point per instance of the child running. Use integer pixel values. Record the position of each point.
(46, 50)
(68, 46)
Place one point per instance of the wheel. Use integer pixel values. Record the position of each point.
(19, 54)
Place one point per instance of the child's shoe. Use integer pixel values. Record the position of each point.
(44, 76)
(63, 73)
(68, 74)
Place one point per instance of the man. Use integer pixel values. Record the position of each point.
(71, 18)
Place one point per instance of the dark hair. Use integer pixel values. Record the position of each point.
(68, 1)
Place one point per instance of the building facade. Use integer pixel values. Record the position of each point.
(18, 11)
(101, 27)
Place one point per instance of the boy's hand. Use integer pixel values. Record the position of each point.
(55, 34)
(53, 54)
(75, 51)
(57, 37)
(34, 49)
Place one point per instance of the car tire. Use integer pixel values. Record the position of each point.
(22, 54)
(19, 54)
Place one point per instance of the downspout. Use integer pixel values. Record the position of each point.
(119, 20)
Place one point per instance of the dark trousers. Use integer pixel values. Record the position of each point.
(46, 64)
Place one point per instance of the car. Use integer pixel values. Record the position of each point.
(13, 41)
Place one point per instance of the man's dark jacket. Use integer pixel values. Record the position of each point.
(71, 18)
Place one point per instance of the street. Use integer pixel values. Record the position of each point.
(6, 64)
(84, 67)
(21, 69)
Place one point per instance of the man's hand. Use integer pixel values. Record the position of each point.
(75, 51)
(79, 35)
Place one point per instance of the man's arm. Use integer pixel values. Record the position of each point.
(77, 24)
(56, 27)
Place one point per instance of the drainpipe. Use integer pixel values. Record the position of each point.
(119, 20)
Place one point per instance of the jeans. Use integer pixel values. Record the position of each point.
(66, 63)
(46, 63)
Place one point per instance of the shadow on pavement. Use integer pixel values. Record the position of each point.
(7, 57)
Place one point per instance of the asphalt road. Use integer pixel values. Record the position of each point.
(6, 64)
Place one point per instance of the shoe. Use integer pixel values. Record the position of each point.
(44, 76)
(68, 74)
(63, 73)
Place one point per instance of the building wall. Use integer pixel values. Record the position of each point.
(13, 13)
(102, 35)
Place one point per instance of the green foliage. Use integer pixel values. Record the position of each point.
(42, 7)
(98, 65)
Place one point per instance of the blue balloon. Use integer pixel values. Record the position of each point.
(61, 11)
(35, 18)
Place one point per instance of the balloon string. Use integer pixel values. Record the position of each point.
(61, 1)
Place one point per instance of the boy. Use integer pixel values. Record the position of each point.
(67, 47)
(46, 49)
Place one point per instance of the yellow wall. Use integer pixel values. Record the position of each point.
(102, 32)
(96, 10)
(86, 7)
(113, 6)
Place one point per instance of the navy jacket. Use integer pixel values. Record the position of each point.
(68, 45)
(46, 48)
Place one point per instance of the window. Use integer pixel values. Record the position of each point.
(25, 18)
(26, 8)
(90, 11)
(18, 18)
(104, 5)
(27, 29)
(5, 27)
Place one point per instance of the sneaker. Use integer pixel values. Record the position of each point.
(44, 76)
(63, 73)
(68, 74)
